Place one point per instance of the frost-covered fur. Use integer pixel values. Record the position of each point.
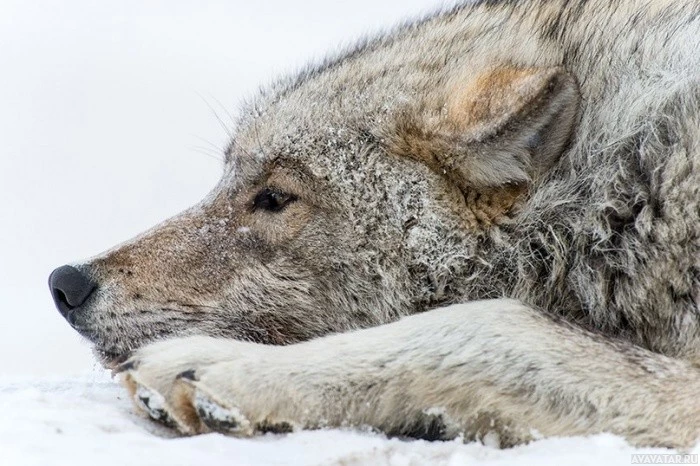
(545, 151)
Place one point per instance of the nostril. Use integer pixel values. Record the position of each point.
(59, 296)
(70, 288)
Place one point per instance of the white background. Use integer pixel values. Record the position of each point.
(106, 127)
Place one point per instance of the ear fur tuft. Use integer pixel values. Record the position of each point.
(501, 130)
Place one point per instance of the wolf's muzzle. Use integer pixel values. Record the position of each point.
(70, 288)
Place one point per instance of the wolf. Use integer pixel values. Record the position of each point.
(483, 223)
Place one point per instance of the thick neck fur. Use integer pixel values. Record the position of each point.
(612, 207)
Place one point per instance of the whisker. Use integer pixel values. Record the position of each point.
(224, 126)
(211, 145)
(225, 110)
(206, 152)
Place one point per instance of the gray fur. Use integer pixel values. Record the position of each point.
(598, 227)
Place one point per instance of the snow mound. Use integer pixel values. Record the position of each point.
(90, 421)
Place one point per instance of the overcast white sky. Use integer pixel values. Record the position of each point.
(105, 128)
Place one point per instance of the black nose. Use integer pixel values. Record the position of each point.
(70, 288)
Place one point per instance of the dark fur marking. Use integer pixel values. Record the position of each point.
(187, 375)
(159, 415)
(429, 427)
(216, 424)
(274, 427)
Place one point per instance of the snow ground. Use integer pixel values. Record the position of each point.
(89, 421)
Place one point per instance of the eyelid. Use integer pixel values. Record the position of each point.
(283, 197)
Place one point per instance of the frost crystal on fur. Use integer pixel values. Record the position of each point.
(545, 151)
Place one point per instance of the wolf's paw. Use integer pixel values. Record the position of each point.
(198, 385)
(188, 408)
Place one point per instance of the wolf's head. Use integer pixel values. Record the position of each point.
(354, 195)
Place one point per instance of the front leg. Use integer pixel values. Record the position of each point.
(488, 368)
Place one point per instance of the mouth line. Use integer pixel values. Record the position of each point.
(111, 354)
(112, 348)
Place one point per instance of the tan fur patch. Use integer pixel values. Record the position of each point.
(181, 399)
(488, 102)
(458, 140)
(489, 206)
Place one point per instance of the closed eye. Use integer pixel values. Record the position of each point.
(272, 200)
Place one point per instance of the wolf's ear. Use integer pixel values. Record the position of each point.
(500, 130)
